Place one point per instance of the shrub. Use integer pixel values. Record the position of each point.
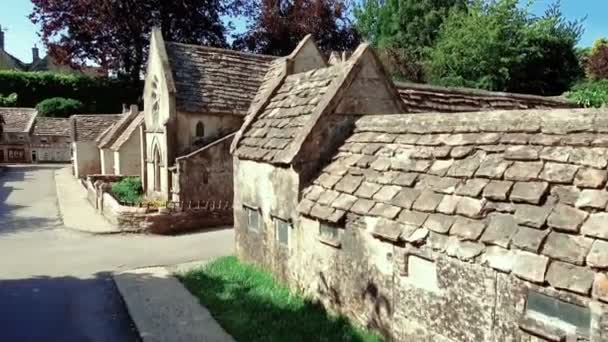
(59, 107)
(8, 101)
(590, 93)
(99, 95)
(128, 190)
(597, 61)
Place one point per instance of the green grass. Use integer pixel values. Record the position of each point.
(252, 306)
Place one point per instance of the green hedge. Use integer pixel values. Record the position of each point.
(590, 93)
(99, 95)
(59, 107)
(128, 190)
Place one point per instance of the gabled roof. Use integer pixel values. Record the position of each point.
(275, 132)
(107, 138)
(8, 61)
(424, 98)
(52, 127)
(213, 80)
(529, 185)
(89, 127)
(18, 120)
(128, 132)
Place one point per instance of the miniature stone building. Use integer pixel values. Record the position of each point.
(120, 145)
(85, 129)
(50, 140)
(481, 226)
(195, 97)
(15, 138)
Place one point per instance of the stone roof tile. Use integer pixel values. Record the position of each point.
(18, 120)
(89, 127)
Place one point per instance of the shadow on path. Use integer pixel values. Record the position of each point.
(66, 309)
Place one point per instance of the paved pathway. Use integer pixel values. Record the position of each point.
(55, 283)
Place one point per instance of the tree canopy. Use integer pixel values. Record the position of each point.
(276, 26)
(115, 33)
(498, 45)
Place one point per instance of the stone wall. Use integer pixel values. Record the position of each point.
(422, 98)
(206, 173)
(209, 214)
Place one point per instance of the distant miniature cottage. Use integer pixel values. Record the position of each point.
(85, 130)
(51, 140)
(195, 98)
(480, 226)
(120, 145)
(17, 129)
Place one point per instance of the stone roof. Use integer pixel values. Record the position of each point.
(128, 131)
(52, 127)
(89, 127)
(289, 110)
(18, 120)
(212, 80)
(519, 191)
(421, 98)
(107, 138)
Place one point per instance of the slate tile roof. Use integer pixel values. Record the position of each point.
(59, 127)
(89, 127)
(18, 120)
(215, 80)
(423, 98)
(520, 191)
(108, 137)
(275, 129)
(128, 131)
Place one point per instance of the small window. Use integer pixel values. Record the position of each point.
(44, 140)
(21, 138)
(329, 235)
(554, 312)
(282, 230)
(200, 130)
(253, 218)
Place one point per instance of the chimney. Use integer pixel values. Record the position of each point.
(35, 54)
(1, 38)
(134, 109)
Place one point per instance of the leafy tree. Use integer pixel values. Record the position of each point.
(403, 30)
(115, 33)
(276, 26)
(498, 45)
(59, 107)
(597, 62)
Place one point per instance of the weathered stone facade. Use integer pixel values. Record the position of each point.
(194, 97)
(426, 227)
(85, 130)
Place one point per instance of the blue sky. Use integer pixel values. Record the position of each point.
(22, 34)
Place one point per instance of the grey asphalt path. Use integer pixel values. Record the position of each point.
(55, 283)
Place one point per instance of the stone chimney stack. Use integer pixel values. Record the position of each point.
(1, 38)
(35, 54)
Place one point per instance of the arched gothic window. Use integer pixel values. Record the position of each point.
(200, 130)
(155, 100)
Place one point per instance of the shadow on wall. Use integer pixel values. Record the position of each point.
(66, 309)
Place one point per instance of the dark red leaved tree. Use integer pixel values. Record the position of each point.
(115, 33)
(276, 26)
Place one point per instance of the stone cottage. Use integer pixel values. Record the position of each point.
(480, 226)
(194, 97)
(50, 140)
(127, 130)
(15, 138)
(85, 129)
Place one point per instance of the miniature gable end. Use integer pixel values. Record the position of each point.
(306, 56)
(371, 90)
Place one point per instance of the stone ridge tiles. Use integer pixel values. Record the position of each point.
(423, 98)
(18, 120)
(107, 138)
(213, 80)
(88, 127)
(542, 199)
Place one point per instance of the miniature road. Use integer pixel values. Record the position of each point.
(55, 283)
